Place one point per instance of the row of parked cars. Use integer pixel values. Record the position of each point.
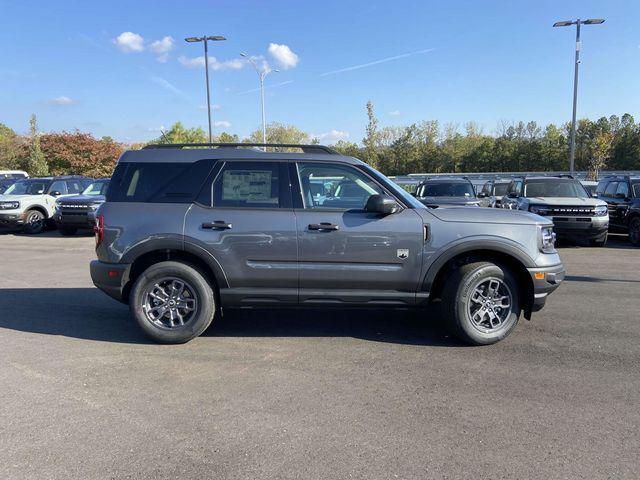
(579, 210)
(31, 204)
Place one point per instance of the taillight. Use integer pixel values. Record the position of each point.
(99, 229)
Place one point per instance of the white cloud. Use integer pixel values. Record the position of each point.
(222, 123)
(129, 42)
(394, 113)
(162, 48)
(62, 100)
(213, 107)
(331, 136)
(214, 63)
(284, 57)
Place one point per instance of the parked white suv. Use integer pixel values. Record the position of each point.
(29, 203)
(575, 214)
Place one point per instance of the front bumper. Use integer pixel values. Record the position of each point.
(11, 220)
(581, 227)
(545, 281)
(77, 221)
(111, 278)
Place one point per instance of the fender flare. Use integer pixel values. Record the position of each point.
(502, 245)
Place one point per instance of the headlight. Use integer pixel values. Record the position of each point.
(547, 239)
(9, 205)
(600, 210)
(538, 209)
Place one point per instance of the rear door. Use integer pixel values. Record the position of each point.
(622, 202)
(346, 254)
(245, 220)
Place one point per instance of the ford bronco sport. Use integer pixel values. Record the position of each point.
(186, 231)
(575, 214)
(622, 194)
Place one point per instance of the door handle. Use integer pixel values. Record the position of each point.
(330, 227)
(216, 225)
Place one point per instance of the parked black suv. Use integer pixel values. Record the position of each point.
(622, 194)
(443, 191)
(78, 211)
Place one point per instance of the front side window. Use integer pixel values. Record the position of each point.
(623, 190)
(335, 186)
(60, 187)
(248, 185)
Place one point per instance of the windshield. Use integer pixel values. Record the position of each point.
(28, 187)
(446, 189)
(500, 189)
(96, 188)
(554, 188)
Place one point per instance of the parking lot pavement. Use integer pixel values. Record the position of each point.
(323, 394)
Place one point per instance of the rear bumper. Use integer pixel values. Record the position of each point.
(111, 278)
(545, 281)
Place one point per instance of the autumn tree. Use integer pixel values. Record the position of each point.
(370, 141)
(81, 153)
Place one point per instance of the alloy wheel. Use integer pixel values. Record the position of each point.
(170, 303)
(490, 304)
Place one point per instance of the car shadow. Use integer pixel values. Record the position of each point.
(87, 313)
(615, 240)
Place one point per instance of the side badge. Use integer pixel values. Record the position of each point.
(403, 253)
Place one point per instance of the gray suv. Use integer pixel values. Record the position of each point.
(187, 230)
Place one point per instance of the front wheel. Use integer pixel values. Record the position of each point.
(172, 302)
(481, 303)
(634, 231)
(35, 222)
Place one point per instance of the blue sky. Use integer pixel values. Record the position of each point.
(453, 61)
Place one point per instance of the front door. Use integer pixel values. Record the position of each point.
(244, 219)
(349, 255)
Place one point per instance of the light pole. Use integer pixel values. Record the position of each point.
(577, 23)
(205, 38)
(262, 74)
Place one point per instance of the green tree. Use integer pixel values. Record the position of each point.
(280, 133)
(370, 141)
(179, 134)
(12, 149)
(37, 163)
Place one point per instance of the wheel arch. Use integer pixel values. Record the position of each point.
(39, 208)
(505, 254)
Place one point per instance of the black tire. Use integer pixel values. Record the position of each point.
(600, 242)
(457, 302)
(35, 222)
(634, 231)
(162, 329)
(67, 231)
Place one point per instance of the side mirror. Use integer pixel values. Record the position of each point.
(512, 195)
(381, 204)
(55, 193)
(482, 195)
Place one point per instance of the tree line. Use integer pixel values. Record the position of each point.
(424, 147)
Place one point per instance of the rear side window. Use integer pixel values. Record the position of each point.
(158, 182)
(249, 185)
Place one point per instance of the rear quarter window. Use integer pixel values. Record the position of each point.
(158, 182)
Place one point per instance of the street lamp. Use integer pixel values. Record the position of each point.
(577, 23)
(262, 74)
(205, 38)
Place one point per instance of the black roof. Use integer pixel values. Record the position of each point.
(193, 152)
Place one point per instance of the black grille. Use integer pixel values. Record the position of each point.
(74, 209)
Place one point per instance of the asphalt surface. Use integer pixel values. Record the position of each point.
(306, 395)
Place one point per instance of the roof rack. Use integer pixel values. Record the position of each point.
(304, 148)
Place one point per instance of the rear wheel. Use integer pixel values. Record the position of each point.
(481, 303)
(35, 222)
(634, 231)
(172, 302)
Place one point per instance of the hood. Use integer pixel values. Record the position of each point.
(17, 198)
(449, 201)
(488, 215)
(80, 200)
(566, 201)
